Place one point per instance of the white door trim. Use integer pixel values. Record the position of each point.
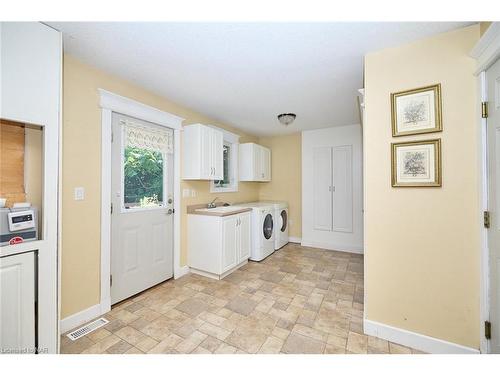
(486, 52)
(110, 103)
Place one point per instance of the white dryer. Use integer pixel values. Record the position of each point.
(280, 223)
(262, 229)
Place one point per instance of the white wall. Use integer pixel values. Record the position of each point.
(334, 240)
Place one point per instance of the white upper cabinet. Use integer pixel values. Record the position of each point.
(31, 73)
(255, 162)
(203, 153)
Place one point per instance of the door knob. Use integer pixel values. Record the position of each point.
(170, 211)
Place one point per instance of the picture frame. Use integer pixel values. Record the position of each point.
(416, 163)
(416, 111)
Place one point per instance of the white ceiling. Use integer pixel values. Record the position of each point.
(245, 74)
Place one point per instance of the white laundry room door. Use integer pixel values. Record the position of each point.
(142, 206)
(493, 79)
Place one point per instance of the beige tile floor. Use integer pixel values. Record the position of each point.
(298, 300)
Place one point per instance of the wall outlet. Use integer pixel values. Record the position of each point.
(79, 194)
(186, 193)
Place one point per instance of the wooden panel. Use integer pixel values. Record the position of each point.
(12, 161)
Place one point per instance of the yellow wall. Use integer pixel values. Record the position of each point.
(286, 179)
(82, 167)
(483, 26)
(422, 245)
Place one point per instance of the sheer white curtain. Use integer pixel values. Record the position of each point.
(153, 138)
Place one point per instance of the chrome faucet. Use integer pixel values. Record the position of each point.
(212, 204)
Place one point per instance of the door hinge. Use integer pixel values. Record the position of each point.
(112, 136)
(111, 208)
(484, 109)
(487, 330)
(110, 280)
(486, 219)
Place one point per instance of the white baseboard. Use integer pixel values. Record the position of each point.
(82, 317)
(331, 246)
(295, 239)
(414, 340)
(181, 271)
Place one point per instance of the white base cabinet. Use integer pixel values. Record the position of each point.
(218, 245)
(203, 153)
(17, 303)
(254, 162)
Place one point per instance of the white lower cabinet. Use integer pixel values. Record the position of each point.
(218, 245)
(17, 303)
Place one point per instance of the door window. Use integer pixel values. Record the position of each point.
(268, 226)
(144, 149)
(284, 218)
(142, 178)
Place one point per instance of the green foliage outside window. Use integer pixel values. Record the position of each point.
(143, 177)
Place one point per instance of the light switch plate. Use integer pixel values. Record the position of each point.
(193, 193)
(185, 193)
(79, 194)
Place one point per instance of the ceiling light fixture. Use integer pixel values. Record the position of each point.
(286, 118)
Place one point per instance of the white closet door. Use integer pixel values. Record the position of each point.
(342, 182)
(322, 182)
(17, 302)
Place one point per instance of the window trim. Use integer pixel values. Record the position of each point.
(233, 141)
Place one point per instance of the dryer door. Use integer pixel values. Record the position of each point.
(284, 220)
(268, 226)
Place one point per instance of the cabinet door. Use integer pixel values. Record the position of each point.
(323, 189)
(244, 237)
(218, 155)
(342, 182)
(257, 163)
(206, 144)
(265, 164)
(17, 301)
(229, 242)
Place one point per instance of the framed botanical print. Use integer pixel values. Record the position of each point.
(416, 164)
(416, 111)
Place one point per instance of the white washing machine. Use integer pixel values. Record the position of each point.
(280, 223)
(262, 229)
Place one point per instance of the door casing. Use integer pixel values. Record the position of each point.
(109, 103)
(486, 52)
